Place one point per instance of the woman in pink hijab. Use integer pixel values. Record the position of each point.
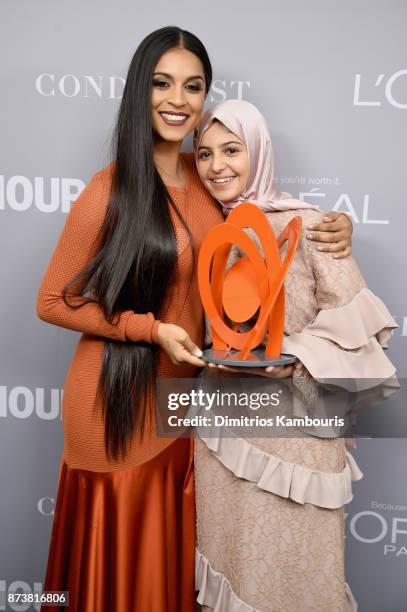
(270, 517)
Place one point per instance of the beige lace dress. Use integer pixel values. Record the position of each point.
(270, 517)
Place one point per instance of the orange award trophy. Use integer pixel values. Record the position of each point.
(254, 284)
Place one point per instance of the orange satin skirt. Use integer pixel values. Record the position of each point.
(124, 541)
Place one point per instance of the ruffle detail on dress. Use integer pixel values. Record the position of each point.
(215, 590)
(347, 343)
(350, 600)
(352, 325)
(290, 480)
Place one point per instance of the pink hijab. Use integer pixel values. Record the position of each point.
(245, 121)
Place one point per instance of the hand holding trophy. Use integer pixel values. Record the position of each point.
(253, 285)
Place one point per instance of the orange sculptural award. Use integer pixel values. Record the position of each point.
(251, 291)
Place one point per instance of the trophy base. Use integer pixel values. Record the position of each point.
(255, 359)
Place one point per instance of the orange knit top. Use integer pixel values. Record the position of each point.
(77, 244)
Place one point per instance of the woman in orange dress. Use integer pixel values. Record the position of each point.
(123, 271)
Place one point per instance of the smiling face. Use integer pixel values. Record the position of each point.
(178, 94)
(223, 163)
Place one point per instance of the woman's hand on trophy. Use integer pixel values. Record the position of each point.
(335, 232)
(179, 347)
(270, 372)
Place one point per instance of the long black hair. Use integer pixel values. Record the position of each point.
(138, 256)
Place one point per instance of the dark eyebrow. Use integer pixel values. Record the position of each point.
(168, 76)
(224, 144)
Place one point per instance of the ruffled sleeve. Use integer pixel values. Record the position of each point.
(352, 327)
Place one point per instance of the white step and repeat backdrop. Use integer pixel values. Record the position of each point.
(331, 79)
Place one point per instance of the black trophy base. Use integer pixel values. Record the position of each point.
(255, 359)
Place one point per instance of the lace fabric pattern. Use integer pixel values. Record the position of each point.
(278, 555)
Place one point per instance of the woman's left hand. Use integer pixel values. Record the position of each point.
(336, 230)
(270, 372)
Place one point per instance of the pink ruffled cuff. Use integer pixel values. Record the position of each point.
(346, 342)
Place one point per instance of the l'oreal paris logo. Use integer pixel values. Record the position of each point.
(371, 527)
(344, 203)
(373, 91)
(111, 87)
